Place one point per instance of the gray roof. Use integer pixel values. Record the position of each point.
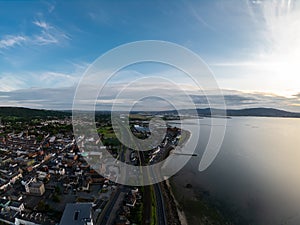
(15, 204)
(36, 184)
(76, 214)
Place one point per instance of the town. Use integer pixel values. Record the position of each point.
(45, 179)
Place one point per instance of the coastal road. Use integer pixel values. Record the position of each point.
(106, 213)
(160, 207)
(159, 200)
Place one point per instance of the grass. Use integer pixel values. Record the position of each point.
(136, 214)
(107, 132)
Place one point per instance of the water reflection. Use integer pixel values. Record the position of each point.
(257, 172)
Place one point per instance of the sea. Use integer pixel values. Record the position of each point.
(256, 174)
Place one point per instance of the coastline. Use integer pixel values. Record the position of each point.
(180, 213)
(174, 212)
(193, 204)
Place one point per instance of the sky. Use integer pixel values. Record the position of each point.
(252, 47)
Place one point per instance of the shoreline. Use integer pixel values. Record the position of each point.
(180, 213)
(191, 203)
(174, 213)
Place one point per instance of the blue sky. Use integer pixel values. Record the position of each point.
(251, 46)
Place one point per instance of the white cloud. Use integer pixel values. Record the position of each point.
(45, 38)
(272, 65)
(256, 2)
(8, 82)
(49, 34)
(58, 79)
(62, 98)
(42, 24)
(198, 16)
(42, 79)
(12, 40)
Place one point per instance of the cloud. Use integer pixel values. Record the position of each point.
(42, 24)
(42, 79)
(63, 97)
(46, 98)
(58, 79)
(230, 100)
(49, 34)
(258, 2)
(198, 17)
(269, 60)
(12, 40)
(297, 95)
(9, 82)
(45, 38)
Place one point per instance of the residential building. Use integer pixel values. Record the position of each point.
(77, 214)
(35, 188)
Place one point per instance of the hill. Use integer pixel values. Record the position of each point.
(258, 112)
(26, 113)
(255, 112)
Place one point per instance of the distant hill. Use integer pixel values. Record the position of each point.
(258, 112)
(26, 113)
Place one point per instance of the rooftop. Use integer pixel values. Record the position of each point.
(76, 214)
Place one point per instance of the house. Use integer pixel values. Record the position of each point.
(17, 206)
(130, 200)
(77, 214)
(122, 220)
(35, 188)
(4, 202)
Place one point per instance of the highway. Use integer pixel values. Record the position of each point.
(106, 213)
(160, 207)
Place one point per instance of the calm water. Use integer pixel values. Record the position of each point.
(257, 172)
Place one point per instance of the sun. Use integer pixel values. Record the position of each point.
(278, 59)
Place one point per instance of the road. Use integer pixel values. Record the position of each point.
(160, 207)
(106, 213)
(106, 216)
